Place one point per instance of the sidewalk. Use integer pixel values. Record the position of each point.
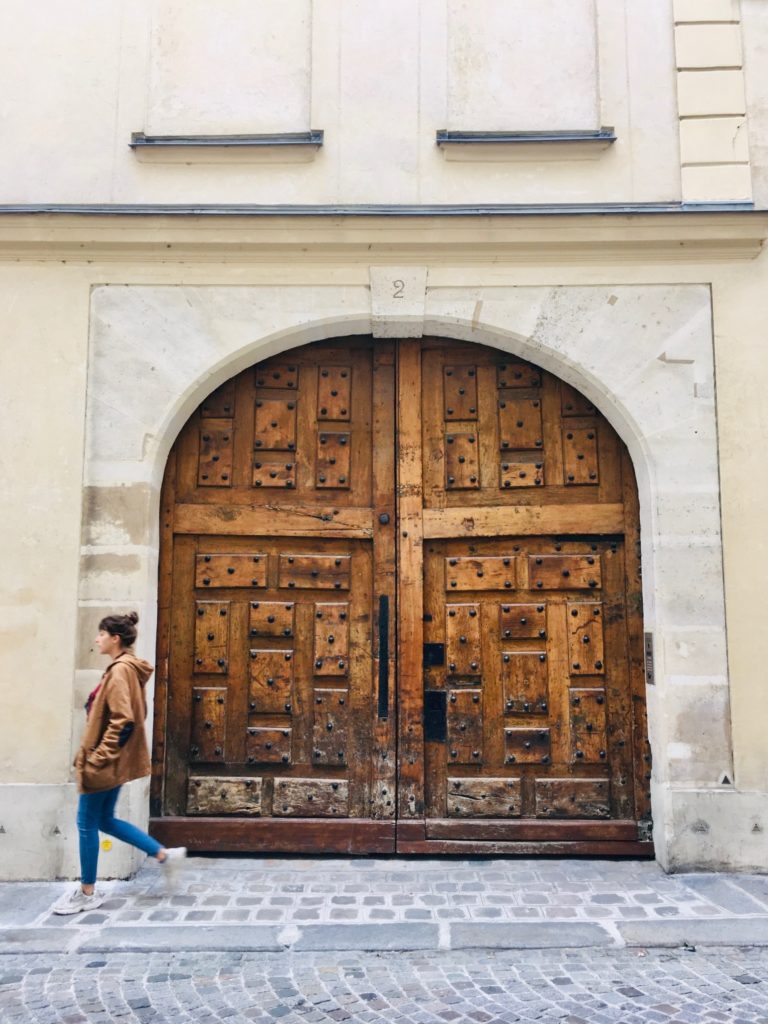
(315, 904)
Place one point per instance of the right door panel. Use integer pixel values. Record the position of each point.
(531, 609)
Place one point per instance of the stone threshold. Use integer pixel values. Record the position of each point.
(398, 937)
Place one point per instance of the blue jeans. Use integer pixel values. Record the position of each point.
(96, 813)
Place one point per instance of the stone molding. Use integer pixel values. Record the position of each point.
(712, 105)
(642, 354)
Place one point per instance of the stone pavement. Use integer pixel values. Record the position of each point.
(594, 986)
(280, 904)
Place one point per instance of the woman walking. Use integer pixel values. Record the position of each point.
(113, 751)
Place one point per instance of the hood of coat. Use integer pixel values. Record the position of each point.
(143, 668)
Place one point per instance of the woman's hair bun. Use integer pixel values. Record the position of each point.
(133, 616)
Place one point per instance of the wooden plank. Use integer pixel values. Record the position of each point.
(382, 756)
(254, 835)
(640, 747)
(410, 564)
(413, 830)
(165, 589)
(523, 520)
(478, 848)
(274, 519)
(505, 830)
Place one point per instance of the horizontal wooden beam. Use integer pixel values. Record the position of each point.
(588, 848)
(504, 830)
(520, 520)
(268, 835)
(273, 520)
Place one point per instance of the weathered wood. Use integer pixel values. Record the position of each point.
(164, 592)
(269, 835)
(543, 848)
(264, 664)
(311, 798)
(410, 564)
(212, 571)
(572, 798)
(273, 519)
(532, 830)
(481, 573)
(222, 794)
(542, 695)
(482, 798)
(640, 747)
(468, 490)
(314, 572)
(523, 520)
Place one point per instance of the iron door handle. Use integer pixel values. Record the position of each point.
(383, 696)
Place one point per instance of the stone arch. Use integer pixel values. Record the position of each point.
(643, 355)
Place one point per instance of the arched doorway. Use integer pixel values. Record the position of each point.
(400, 609)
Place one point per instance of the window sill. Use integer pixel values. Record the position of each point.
(279, 147)
(472, 147)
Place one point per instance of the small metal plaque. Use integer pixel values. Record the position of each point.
(650, 675)
(434, 655)
(435, 716)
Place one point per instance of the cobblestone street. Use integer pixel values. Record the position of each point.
(574, 987)
(407, 940)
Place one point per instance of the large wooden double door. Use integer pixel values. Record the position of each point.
(400, 610)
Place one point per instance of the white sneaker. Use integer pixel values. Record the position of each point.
(174, 859)
(77, 901)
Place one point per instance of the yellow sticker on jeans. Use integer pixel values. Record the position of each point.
(106, 844)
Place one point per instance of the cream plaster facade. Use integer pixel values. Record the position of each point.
(117, 322)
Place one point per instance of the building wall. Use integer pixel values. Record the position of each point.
(380, 80)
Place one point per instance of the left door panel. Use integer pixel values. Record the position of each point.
(273, 737)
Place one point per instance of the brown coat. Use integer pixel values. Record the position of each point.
(114, 746)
